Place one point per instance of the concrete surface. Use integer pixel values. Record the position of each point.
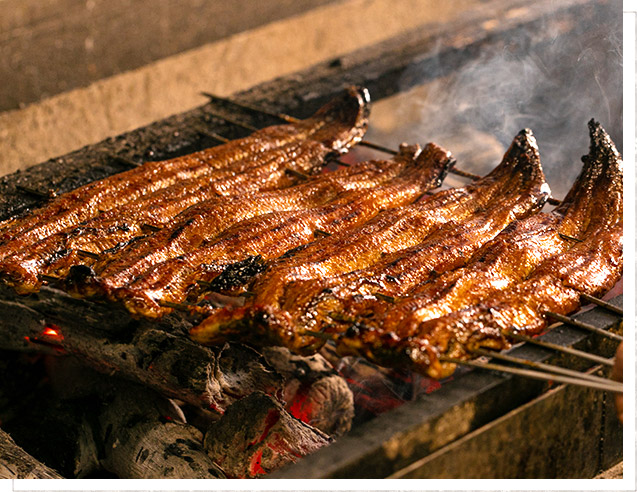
(58, 45)
(171, 85)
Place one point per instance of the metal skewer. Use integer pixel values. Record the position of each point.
(539, 365)
(37, 193)
(250, 107)
(297, 174)
(232, 121)
(606, 386)
(291, 119)
(124, 160)
(584, 326)
(604, 304)
(558, 348)
(213, 135)
(88, 254)
(570, 238)
(49, 278)
(150, 227)
(319, 334)
(180, 306)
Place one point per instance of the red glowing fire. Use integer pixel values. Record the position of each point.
(52, 331)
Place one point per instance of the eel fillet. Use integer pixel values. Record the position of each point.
(205, 222)
(273, 316)
(128, 202)
(541, 263)
(271, 235)
(338, 124)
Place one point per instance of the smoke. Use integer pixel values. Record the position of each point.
(553, 88)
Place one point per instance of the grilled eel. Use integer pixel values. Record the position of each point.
(272, 235)
(536, 265)
(277, 289)
(595, 198)
(56, 254)
(338, 125)
(205, 222)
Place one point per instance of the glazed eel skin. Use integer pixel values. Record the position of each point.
(281, 310)
(539, 264)
(271, 235)
(202, 224)
(333, 129)
(339, 123)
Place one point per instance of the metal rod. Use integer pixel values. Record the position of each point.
(539, 365)
(88, 254)
(49, 278)
(291, 119)
(150, 227)
(123, 160)
(569, 238)
(213, 135)
(180, 306)
(559, 348)
(528, 373)
(584, 326)
(232, 121)
(34, 192)
(603, 304)
(250, 107)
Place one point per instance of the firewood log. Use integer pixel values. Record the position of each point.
(257, 435)
(17, 463)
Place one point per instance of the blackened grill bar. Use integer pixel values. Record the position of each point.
(412, 441)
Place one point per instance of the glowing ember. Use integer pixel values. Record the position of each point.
(255, 465)
(50, 331)
(301, 406)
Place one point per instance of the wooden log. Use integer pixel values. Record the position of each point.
(157, 355)
(313, 391)
(17, 463)
(257, 435)
(145, 436)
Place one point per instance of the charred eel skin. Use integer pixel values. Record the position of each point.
(532, 267)
(273, 315)
(117, 207)
(271, 235)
